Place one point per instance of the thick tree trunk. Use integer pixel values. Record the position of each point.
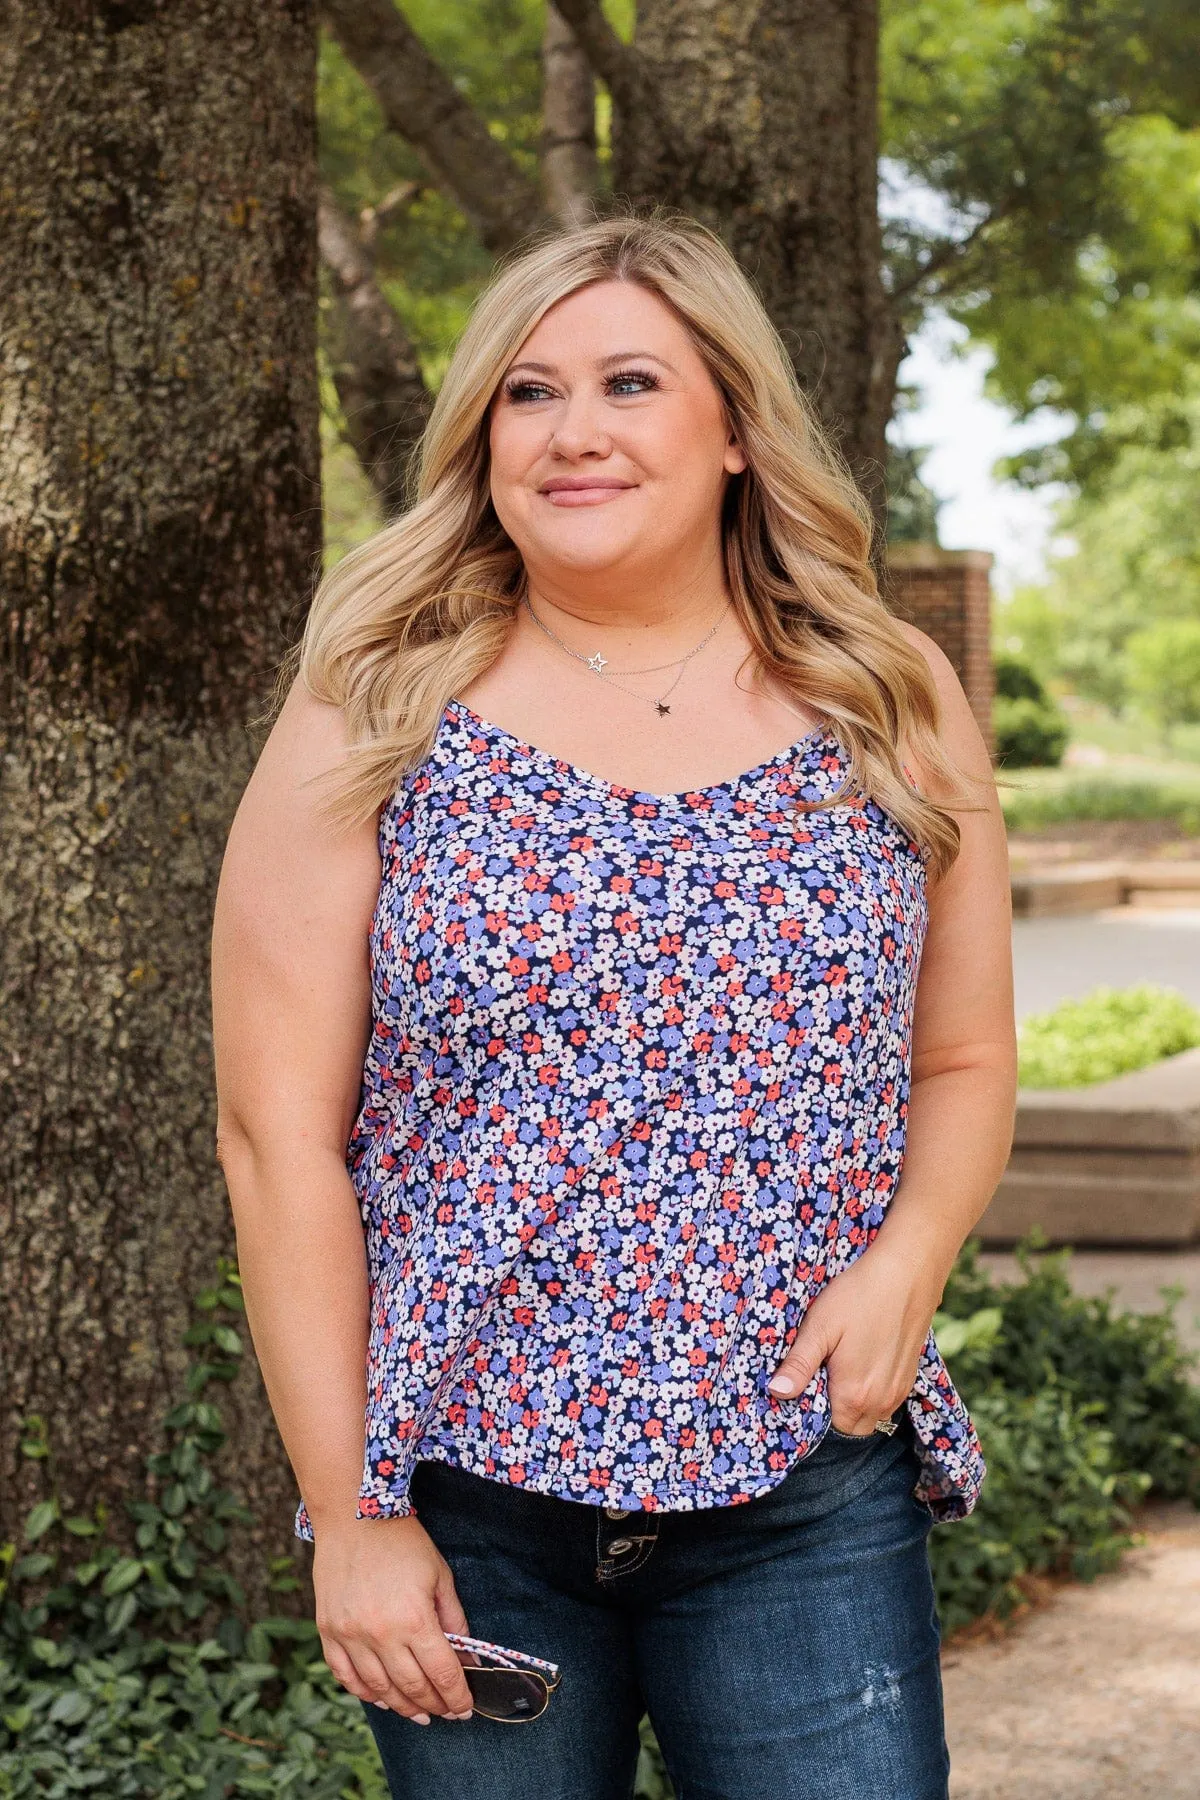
(159, 536)
(761, 120)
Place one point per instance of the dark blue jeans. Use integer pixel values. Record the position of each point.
(786, 1648)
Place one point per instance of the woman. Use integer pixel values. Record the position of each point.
(568, 941)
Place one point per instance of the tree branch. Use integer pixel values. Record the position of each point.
(570, 172)
(421, 103)
(615, 62)
(375, 370)
(948, 252)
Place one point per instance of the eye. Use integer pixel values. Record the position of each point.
(626, 377)
(520, 392)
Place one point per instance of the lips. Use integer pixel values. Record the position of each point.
(584, 493)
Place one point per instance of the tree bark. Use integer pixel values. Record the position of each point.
(385, 402)
(570, 172)
(761, 119)
(160, 531)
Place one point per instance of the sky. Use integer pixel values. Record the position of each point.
(967, 434)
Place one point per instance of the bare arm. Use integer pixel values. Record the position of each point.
(291, 1023)
(871, 1322)
(962, 1100)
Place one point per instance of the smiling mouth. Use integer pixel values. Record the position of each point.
(585, 496)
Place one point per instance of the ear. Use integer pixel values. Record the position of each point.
(735, 459)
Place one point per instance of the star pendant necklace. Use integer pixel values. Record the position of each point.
(597, 663)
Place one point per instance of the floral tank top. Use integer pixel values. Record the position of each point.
(636, 1089)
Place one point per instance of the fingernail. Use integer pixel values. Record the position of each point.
(420, 1718)
(781, 1384)
(466, 1715)
(382, 1705)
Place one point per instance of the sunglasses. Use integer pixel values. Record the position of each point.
(506, 1685)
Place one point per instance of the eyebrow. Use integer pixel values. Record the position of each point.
(604, 362)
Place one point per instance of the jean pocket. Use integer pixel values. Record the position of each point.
(850, 1437)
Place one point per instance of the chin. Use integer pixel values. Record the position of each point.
(589, 553)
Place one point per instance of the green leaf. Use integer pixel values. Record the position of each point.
(30, 1568)
(18, 1719)
(40, 1519)
(79, 1526)
(122, 1575)
(70, 1708)
(227, 1339)
(119, 1613)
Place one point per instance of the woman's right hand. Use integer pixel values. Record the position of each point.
(385, 1597)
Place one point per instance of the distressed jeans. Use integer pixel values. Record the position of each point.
(785, 1648)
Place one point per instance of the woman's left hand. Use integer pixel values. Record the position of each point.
(869, 1324)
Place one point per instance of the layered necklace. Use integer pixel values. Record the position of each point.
(598, 663)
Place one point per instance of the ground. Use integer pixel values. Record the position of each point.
(1095, 1695)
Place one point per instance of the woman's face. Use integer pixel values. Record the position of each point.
(609, 444)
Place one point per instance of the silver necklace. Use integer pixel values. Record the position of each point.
(596, 662)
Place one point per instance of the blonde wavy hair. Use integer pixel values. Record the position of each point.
(409, 617)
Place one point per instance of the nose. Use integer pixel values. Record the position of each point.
(579, 428)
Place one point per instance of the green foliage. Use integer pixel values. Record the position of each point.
(1163, 662)
(135, 1672)
(1098, 797)
(1061, 141)
(912, 516)
(1107, 1032)
(1030, 727)
(1025, 624)
(1029, 733)
(1015, 678)
(1114, 346)
(1081, 1409)
(1135, 564)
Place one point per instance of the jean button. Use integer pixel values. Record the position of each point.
(616, 1512)
(619, 1546)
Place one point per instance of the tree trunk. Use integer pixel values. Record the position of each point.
(761, 119)
(159, 537)
(570, 170)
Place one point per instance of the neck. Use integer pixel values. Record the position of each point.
(611, 610)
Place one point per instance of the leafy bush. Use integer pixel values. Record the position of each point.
(1031, 729)
(1106, 1033)
(135, 1674)
(1029, 733)
(138, 1674)
(1097, 797)
(1081, 1410)
(1015, 678)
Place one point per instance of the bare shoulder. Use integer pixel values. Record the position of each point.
(958, 729)
(281, 845)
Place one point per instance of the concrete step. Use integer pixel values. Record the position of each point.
(1114, 1163)
(1094, 886)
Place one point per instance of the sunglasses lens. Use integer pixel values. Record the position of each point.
(507, 1694)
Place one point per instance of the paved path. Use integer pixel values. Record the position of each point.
(1059, 959)
(1096, 1695)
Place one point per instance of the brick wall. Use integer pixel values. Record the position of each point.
(948, 594)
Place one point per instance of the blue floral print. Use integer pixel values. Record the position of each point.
(637, 1088)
